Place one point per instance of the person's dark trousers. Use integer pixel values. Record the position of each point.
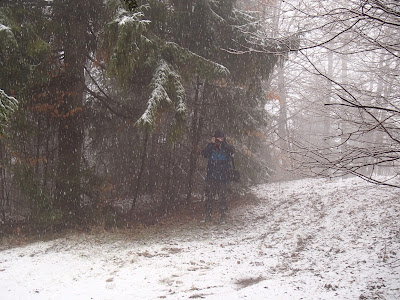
(214, 190)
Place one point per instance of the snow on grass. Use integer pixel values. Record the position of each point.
(307, 239)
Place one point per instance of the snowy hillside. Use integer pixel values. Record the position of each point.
(308, 239)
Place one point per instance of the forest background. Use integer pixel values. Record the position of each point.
(106, 104)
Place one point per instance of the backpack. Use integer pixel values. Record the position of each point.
(233, 174)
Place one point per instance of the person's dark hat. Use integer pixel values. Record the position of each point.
(219, 134)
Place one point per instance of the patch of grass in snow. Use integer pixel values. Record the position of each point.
(198, 296)
(245, 282)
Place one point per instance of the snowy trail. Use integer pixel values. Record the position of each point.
(307, 239)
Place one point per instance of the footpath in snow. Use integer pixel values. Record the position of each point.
(306, 239)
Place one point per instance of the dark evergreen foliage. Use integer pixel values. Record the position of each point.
(116, 101)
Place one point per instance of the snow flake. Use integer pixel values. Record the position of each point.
(306, 239)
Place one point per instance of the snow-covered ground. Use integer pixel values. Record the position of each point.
(307, 239)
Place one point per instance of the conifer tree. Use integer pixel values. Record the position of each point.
(45, 52)
(175, 70)
(24, 53)
(177, 49)
(7, 106)
(76, 18)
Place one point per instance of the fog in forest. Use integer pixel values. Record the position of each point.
(212, 149)
(106, 105)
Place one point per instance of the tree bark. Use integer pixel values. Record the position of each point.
(195, 139)
(282, 122)
(141, 170)
(70, 131)
(2, 184)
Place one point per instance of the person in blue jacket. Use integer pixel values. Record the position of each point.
(219, 154)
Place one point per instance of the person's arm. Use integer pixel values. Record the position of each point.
(230, 150)
(207, 150)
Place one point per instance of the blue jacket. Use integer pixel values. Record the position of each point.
(219, 161)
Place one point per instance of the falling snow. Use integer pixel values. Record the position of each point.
(307, 239)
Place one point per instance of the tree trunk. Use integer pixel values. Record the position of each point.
(37, 155)
(327, 119)
(3, 200)
(282, 122)
(141, 170)
(195, 139)
(70, 131)
(167, 174)
(46, 154)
